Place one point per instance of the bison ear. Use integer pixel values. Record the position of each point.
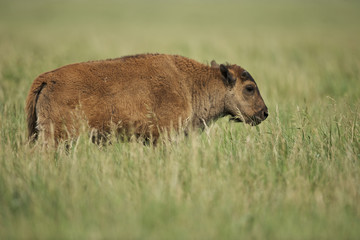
(228, 77)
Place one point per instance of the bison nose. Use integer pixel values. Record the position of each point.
(265, 113)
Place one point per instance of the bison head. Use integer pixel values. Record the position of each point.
(242, 100)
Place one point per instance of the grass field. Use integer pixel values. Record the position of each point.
(295, 176)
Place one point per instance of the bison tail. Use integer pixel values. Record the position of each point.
(30, 109)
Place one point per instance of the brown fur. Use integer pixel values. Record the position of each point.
(140, 95)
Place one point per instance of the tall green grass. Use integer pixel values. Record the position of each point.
(295, 176)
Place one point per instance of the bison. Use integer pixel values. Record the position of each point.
(141, 95)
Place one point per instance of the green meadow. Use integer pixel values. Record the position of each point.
(294, 176)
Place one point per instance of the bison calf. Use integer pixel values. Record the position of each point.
(140, 95)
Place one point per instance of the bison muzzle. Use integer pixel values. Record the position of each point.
(142, 95)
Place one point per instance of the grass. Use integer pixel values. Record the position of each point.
(295, 176)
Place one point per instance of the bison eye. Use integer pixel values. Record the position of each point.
(250, 88)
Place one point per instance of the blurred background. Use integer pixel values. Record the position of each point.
(295, 50)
